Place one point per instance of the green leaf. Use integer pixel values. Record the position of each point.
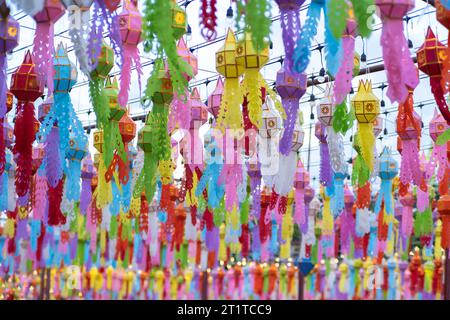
(364, 10)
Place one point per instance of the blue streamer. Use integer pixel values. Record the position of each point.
(125, 200)
(114, 206)
(302, 53)
(4, 191)
(446, 4)
(73, 180)
(333, 49)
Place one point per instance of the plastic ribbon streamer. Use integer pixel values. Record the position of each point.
(62, 111)
(400, 70)
(53, 159)
(407, 214)
(103, 14)
(325, 165)
(24, 127)
(335, 142)
(337, 198)
(165, 23)
(87, 174)
(43, 41)
(130, 22)
(78, 149)
(409, 130)
(208, 19)
(432, 66)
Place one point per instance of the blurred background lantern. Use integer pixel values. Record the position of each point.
(78, 148)
(215, 98)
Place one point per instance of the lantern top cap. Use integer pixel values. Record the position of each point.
(61, 51)
(365, 86)
(181, 44)
(230, 40)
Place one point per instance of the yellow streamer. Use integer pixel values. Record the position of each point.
(367, 143)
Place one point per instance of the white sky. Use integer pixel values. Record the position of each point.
(422, 15)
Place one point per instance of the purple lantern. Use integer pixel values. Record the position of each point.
(215, 99)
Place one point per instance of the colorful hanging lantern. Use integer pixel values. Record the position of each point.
(9, 38)
(103, 191)
(215, 99)
(27, 88)
(400, 70)
(409, 130)
(300, 183)
(438, 126)
(78, 148)
(367, 108)
(443, 16)
(252, 60)
(43, 40)
(291, 87)
(388, 170)
(79, 29)
(130, 24)
(430, 58)
(230, 115)
(127, 129)
(443, 207)
(62, 111)
(208, 19)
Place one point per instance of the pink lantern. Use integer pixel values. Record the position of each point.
(438, 125)
(199, 113)
(325, 108)
(377, 126)
(187, 56)
(300, 183)
(130, 28)
(400, 69)
(43, 40)
(215, 99)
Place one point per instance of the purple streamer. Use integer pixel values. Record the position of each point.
(3, 66)
(96, 35)
(304, 226)
(290, 25)
(22, 229)
(53, 168)
(255, 186)
(86, 195)
(291, 107)
(325, 168)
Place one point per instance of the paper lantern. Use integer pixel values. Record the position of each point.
(230, 115)
(409, 130)
(127, 128)
(291, 87)
(400, 69)
(430, 58)
(215, 99)
(44, 108)
(105, 62)
(325, 109)
(43, 41)
(111, 90)
(271, 123)
(130, 28)
(179, 23)
(163, 94)
(443, 207)
(388, 166)
(26, 87)
(79, 13)
(199, 113)
(66, 74)
(438, 126)
(367, 108)
(187, 56)
(98, 140)
(37, 157)
(377, 126)
(78, 148)
(297, 136)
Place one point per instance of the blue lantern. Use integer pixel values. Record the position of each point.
(388, 170)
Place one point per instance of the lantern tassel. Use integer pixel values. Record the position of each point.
(2, 148)
(367, 141)
(73, 180)
(325, 168)
(43, 53)
(230, 115)
(25, 134)
(410, 164)
(52, 159)
(438, 93)
(291, 107)
(343, 83)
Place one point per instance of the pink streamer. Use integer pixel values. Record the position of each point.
(40, 197)
(300, 212)
(440, 156)
(407, 220)
(343, 80)
(130, 54)
(43, 53)
(410, 165)
(400, 70)
(423, 200)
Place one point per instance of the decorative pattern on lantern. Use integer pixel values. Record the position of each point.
(127, 129)
(400, 69)
(179, 22)
(325, 109)
(199, 113)
(79, 31)
(43, 40)
(271, 121)
(291, 87)
(130, 24)
(26, 87)
(430, 59)
(298, 136)
(409, 130)
(230, 115)
(438, 126)
(252, 60)
(215, 99)
(105, 62)
(367, 108)
(377, 126)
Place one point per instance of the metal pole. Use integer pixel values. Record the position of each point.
(447, 275)
(301, 285)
